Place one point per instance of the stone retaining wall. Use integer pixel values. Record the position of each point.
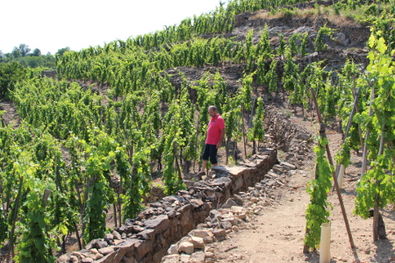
(147, 238)
(287, 136)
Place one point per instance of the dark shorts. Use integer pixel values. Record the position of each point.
(210, 151)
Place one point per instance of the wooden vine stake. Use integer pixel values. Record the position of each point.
(376, 209)
(365, 145)
(323, 135)
(348, 127)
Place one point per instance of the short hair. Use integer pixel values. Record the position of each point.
(212, 107)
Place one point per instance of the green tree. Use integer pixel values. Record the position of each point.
(61, 51)
(36, 52)
(21, 51)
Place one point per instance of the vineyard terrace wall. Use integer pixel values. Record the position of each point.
(147, 237)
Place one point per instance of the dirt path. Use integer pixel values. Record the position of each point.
(277, 233)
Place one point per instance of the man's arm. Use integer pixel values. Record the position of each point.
(221, 137)
(222, 132)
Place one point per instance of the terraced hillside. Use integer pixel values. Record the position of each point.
(83, 152)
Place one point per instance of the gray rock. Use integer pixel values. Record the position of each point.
(302, 135)
(303, 29)
(288, 165)
(146, 234)
(159, 223)
(341, 39)
(278, 29)
(220, 234)
(238, 200)
(96, 243)
(229, 203)
(220, 171)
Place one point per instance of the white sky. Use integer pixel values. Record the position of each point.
(53, 24)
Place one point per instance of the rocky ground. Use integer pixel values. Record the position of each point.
(236, 214)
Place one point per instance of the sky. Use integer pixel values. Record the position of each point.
(53, 24)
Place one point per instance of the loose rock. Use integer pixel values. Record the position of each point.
(186, 247)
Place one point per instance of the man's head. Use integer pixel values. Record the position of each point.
(212, 111)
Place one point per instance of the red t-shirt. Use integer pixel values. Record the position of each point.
(215, 126)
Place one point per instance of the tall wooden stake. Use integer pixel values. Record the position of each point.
(365, 145)
(352, 113)
(376, 211)
(328, 152)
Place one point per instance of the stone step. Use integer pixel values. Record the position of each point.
(288, 166)
(279, 169)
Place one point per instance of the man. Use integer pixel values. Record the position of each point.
(215, 135)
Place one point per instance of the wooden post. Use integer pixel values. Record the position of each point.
(345, 135)
(323, 135)
(376, 211)
(365, 145)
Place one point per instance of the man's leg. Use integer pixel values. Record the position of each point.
(206, 155)
(213, 155)
(204, 164)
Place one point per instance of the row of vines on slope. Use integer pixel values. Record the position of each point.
(372, 130)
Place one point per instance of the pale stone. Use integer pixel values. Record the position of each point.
(198, 257)
(106, 250)
(93, 250)
(289, 165)
(171, 259)
(78, 254)
(184, 258)
(172, 249)
(210, 255)
(197, 242)
(63, 258)
(97, 256)
(116, 235)
(240, 212)
(209, 239)
(186, 247)
(201, 233)
(109, 236)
